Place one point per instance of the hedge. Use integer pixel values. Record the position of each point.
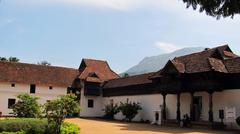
(33, 126)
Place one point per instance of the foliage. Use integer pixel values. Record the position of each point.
(26, 106)
(57, 110)
(129, 109)
(28, 125)
(10, 59)
(19, 132)
(216, 8)
(110, 110)
(69, 128)
(238, 120)
(125, 75)
(3, 59)
(13, 59)
(45, 63)
(33, 126)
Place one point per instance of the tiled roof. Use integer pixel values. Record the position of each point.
(207, 60)
(199, 62)
(233, 65)
(128, 81)
(100, 68)
(15, 72)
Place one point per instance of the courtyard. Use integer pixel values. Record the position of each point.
(98, 126)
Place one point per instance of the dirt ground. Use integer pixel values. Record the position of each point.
(97, 126)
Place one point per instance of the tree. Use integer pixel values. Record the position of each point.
(129, 109)
(3, 59)
(216, 8)
(13, 59)
(26, 106)
(110, 110)
(125, 75)
(45, 63)
(10, 59)
(57, 110)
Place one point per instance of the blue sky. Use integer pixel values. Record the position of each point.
(120, 31)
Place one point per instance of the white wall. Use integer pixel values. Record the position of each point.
(96, 111)
(43, 92)
(226, 98)
(148, 103)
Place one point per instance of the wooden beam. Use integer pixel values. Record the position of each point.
(192, 108)
(210, 112)
(178, 108)
(164, 107)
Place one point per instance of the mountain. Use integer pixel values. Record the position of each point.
(155, 63)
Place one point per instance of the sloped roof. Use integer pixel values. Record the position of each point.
(217, 65)
(128, 81)
(207, 60)
(199, 62)
(233, 65)
(15, 72)
(100, 68)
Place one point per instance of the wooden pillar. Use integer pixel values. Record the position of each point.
(178, 108)
(192, 108)
(210, 112)
(164, 107)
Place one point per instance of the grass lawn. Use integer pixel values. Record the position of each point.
(97, 126)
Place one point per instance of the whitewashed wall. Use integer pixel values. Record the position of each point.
(149, 103)
(43, 92)
(226, 98)
(96, 111)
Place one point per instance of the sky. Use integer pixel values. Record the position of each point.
(121, 32)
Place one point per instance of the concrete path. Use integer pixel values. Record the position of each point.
(97, 126)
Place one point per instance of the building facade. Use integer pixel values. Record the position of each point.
(199, 84)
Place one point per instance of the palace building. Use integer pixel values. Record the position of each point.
(201, 85)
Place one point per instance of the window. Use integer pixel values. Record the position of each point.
(32, 88)
(12, 85)
(50, 87)
(90, 103)
(11, 102)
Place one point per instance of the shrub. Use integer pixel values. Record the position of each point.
(129, 109)
(26, 106)
(28, 125)
(33, 126)
(69, 128)
(57, 110)
(20, 132)
(238, 120)
(110, 110)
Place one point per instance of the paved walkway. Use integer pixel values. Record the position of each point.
(97, 126)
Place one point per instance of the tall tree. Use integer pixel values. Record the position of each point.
(216, 8)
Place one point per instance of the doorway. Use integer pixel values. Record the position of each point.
(197, 108)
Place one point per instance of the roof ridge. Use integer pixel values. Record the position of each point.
(132, 76)
(211, 49)
(32, 64)
(89, 59)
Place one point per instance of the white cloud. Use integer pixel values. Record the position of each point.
(121, 5)
(167, 47)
